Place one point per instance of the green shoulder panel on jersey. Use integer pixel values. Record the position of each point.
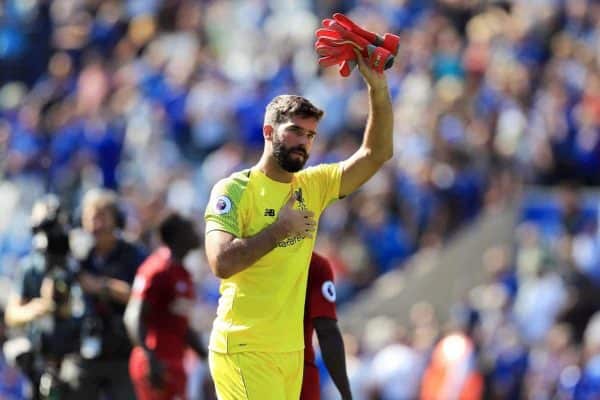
(224, 206)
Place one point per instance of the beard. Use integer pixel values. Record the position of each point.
(285, 158)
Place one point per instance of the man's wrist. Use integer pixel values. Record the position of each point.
(104, 287)
(276, 233)
(44, 306)
(378, 88)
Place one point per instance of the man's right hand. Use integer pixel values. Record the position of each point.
(40, 307)
(291, 222)
(45, 303)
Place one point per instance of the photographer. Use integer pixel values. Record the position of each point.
(105, 277)
(41, 303)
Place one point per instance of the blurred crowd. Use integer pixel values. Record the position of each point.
(160, 99)
(531, 330)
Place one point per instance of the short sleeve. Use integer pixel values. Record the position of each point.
(20, 286)
(19, 280)
(223, 209)
(326, 179)
(322, 293)
(149, 287)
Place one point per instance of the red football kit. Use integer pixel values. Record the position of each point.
(168, 288)
(320, 303)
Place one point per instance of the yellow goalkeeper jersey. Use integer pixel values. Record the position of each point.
(262, 307)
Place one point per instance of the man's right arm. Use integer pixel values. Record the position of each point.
(20, 311)
(135, 313)
(23, 308)
(133, 319)
(228, 255)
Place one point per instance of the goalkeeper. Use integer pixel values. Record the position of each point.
(260, 232)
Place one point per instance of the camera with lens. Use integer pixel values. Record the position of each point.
(47, 277)
(49, 226)
(56, 334)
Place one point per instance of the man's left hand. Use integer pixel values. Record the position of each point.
(375, 80)
(91, 284)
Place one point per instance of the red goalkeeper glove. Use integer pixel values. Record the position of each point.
(335, 44)
(335, 54)
(389, 41)
(334, 29)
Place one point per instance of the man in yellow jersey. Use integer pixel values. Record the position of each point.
(260, 233)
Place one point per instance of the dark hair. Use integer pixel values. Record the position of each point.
(170, 227)
(282, 108)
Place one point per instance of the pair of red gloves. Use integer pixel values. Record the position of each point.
(338, 38)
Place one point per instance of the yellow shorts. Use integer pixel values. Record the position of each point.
(257, 376)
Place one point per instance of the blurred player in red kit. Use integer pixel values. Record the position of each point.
(320, 316)
(157, 315)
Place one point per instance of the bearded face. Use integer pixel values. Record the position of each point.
(291, 159)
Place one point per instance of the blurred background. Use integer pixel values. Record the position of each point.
(480, 236)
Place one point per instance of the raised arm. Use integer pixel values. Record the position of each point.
(377, 145)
